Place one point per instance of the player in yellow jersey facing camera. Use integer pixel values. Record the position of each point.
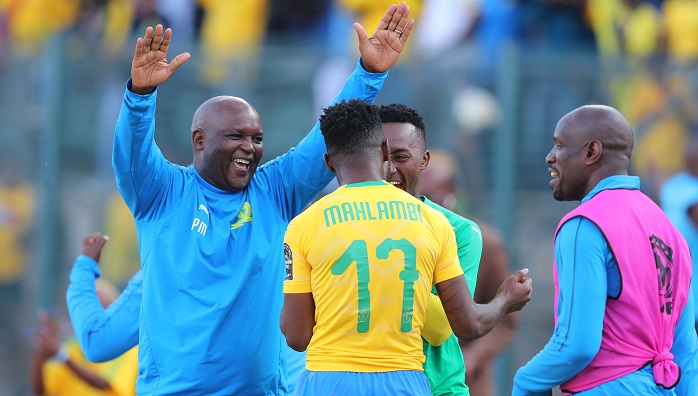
(361, 263)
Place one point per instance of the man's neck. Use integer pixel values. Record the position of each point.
(352, 176)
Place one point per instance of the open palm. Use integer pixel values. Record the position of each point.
(380, 51)
(150, 67)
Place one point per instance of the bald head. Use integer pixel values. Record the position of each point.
(591, 143)
(603, 124)
(212, 110)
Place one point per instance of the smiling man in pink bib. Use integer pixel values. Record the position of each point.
(623, 307)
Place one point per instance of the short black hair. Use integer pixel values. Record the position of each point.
(402, 114)
(349, 128)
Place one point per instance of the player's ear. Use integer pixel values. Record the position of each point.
(197, 140)
(593, 152)
(328, 162)
(425, 159)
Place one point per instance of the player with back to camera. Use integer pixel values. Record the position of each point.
(361, 265)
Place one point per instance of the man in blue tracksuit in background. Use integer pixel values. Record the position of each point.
(211, 235)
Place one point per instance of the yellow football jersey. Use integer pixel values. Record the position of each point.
(369, 253)
(121, 373)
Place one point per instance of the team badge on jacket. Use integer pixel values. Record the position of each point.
(245, 216)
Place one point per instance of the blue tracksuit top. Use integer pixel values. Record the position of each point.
(212, 260)
(588, 275)
(103, 334)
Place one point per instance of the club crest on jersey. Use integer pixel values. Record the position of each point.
(245, 216)
(288, 258)
(407, 317)
(364, 314)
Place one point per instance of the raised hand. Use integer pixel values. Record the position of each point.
(380, 51)
(516, 290)
(47, 340)
(92, 246)
(150, 67)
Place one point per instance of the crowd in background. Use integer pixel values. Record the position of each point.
(648, 52)
(656, 37)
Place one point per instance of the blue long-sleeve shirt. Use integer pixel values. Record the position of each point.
(678, 194)
(587, 275)
(212, 260)
(103, 334)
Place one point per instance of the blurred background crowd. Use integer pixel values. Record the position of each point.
(490, 77)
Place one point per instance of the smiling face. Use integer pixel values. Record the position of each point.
(408, 156)
(566, 163)
(591, 143)
(227, 141)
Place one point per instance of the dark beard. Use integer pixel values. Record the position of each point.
(557, 194)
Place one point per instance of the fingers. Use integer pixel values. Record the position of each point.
(406, 31)
(528, 282)
(361, 34)
(147, 39)
(166, 39)
(48, 322)
(43, 339)
(92, 237)
(101, 240)
(387, 17)
(178, 61)
(139, 49)
(400, 18)
(520, 275)
(401, 12)
(157, 38)
(48, 341)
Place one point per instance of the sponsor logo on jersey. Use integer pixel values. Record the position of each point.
(205, 209)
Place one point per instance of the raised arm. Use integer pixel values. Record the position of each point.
(103, 334)
(301, 172)
(142, 173)
(470, 320)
